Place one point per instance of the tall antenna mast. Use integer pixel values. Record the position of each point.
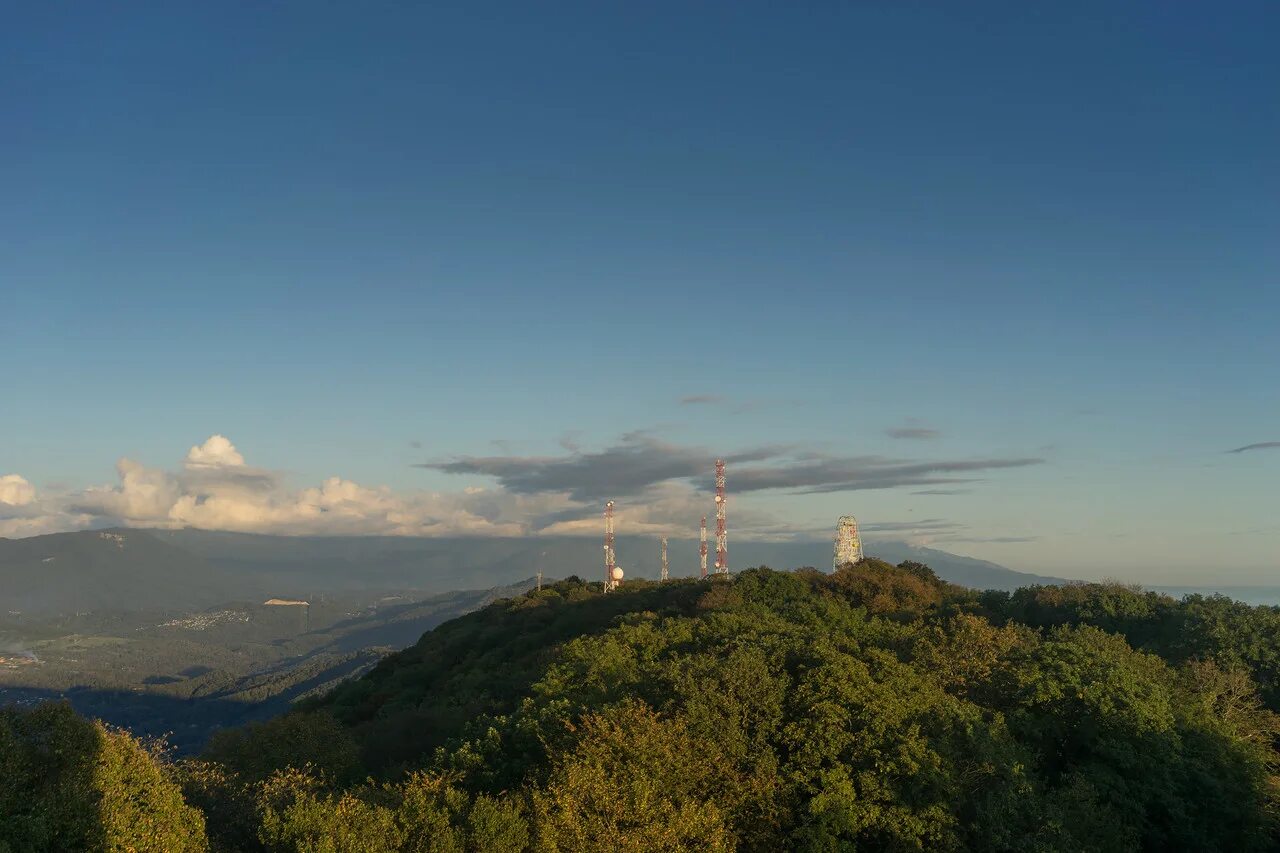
(608, 547)
(722, 536)
(703, 549)
(664, 558)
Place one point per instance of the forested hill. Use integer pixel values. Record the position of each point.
(875, 708)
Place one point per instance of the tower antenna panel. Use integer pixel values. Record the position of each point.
(722, 533)
(848, 544)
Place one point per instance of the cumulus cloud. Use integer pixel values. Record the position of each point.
(16, 491)
(215, 489)
(1262, 445)
(700, 399)
(143, 496)
(216, 452)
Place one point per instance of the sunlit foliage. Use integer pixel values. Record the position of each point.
(67, 783)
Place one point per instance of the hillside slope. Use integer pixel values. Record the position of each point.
(873, 708)
(190, 675)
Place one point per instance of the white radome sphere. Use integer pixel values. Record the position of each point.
(617, 573)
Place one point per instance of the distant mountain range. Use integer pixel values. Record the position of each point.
(126, 569)
(96, 570)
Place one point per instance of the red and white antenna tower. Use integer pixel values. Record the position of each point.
(665, 567)
(703, 549)
(611, 573)
(722, 536)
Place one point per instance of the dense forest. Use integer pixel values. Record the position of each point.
(875, 708)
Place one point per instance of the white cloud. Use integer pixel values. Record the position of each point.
(23, 512)
(38, 525)
(214, 488)
(16, 491)
(216, 452)
(143, 496)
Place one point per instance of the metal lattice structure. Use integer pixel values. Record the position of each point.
(665, 567)
(610, 566)
(703, 549)
(722, 535)
(848, 543)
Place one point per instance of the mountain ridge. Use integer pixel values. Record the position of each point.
(126, 569)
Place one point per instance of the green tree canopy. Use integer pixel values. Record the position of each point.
(876, 708)
(68, 784)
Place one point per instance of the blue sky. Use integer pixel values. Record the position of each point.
(516, 235)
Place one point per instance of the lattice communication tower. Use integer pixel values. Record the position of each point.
(612, 574)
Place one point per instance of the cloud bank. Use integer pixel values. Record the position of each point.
(628, 468)
(662, 488)
(640, 461)
(214, 489)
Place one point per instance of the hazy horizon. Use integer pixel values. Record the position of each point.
(639, 554)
